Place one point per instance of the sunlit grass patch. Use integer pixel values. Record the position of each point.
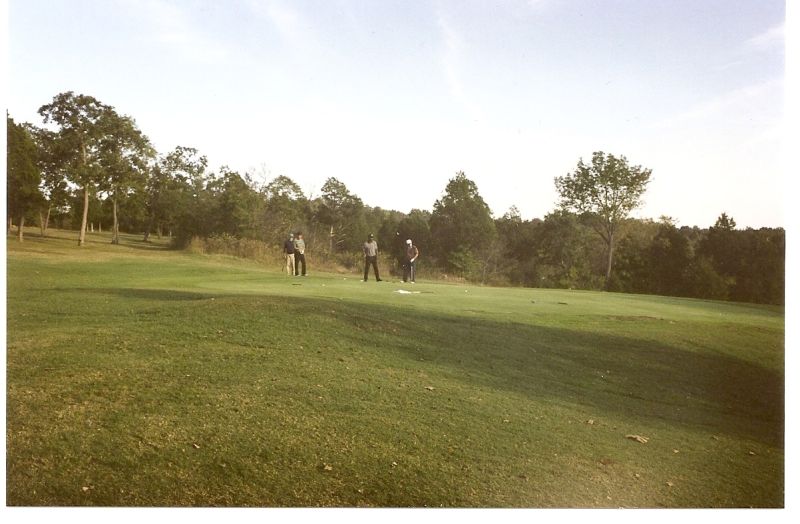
(148, 377)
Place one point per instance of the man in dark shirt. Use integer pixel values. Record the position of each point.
(288, 250)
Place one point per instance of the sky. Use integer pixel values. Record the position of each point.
(394, 97)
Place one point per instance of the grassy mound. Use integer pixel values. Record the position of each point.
(139, 376)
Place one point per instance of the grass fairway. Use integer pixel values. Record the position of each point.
(138, 376)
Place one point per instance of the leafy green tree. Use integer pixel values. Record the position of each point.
(566, 252)
(132, 214)
(380, 221)
(462, 229)
(284, 187)
(518, 243)
(606, 191)
(236, 205)
(704, 281)
(22, 173)
(669, 259)
(79, 119)
(55, 191)
(725, 223)
(631, 262)
(342, 213)
(751, 262)
(124, 154)
(173, 190)
(761, 270)
(286, 209)
(721, 246)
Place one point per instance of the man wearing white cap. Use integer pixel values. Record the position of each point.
(412, 253)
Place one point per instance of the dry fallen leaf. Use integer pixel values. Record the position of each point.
(670, 484)
(675, 451)
(590, 422)
(196, 446)
(637, 438)
(394, 464)
(328, 467)
(429, 388)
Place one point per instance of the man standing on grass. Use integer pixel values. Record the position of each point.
(410, 267)
(371, 257)
(288, 250)
(299, 254)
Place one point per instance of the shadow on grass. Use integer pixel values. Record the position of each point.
(635, 378)
(101, 239)
(149, 294)
(132, 243)
(602, 372)
(147, 246)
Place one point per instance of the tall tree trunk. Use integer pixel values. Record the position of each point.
(43, 220)
(115, 227)
(331, 241)
(147, 230)
(82, 235)
(21, 225)
(610, 260)
(10, 225)
(85, 219)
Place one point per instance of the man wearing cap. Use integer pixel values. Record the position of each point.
(371, 257)
(410, 268)
(288, 250)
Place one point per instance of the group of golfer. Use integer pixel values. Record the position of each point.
(294, 248)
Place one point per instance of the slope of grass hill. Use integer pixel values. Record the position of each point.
(140, 376)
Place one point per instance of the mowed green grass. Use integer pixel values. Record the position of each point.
(139, 376)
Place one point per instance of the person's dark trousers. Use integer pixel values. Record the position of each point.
(299, 259)
(410, 270)
(374, 261)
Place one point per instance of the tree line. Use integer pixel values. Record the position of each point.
(87, 164)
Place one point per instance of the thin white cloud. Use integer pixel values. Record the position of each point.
(169, 25)
(293, 28)
(452, 59)
(726, 102)
(538, 4)
(729, 65)
(772, 38)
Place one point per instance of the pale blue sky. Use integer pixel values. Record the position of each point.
(393, 98)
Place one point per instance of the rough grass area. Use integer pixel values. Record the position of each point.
(139, 376)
